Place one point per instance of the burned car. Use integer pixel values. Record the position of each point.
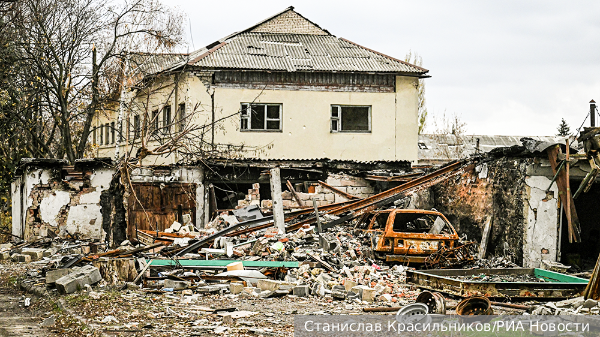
(415, 236)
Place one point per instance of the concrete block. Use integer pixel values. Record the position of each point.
(207, 289)
(590, 303)
(4, 256)
(368, 294)
(251, 290)
(236, 288)
(349, 284)
(92, 273)
(21, 258)
(70, 283)
(385, 298)
(53, 275)
(268, 285)
(176, 284)
(301, 291)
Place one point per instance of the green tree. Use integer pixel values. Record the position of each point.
(563, 128)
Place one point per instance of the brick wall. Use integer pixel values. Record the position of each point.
(289, 23)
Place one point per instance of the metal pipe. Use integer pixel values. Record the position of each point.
(592, 113)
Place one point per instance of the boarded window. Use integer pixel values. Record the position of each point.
(350, 118)
(260, 117)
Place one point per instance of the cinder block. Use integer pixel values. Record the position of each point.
(349, 284)
(301, 291)
(21, 258)
(236, 288)
(368, 294)
(92, 273)
(264, 284)
(53, 275)
(77, 279)
(175, 284)
(36, 254)
(268, 285)
(4, 256)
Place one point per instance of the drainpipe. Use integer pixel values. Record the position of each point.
(212, 99)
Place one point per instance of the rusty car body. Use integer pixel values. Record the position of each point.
(409, 235)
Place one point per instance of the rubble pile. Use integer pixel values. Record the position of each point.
(573, 306)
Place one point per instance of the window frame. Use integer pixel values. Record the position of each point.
(339, 121)
(166, 119)
(246, 117)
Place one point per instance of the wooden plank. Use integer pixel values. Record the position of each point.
(568, 186)
(335, 190)
(294, 194)
(484, 239)
(572, 219)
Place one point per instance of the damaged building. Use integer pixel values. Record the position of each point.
(339, 123)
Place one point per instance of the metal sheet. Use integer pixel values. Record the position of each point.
(445, 280)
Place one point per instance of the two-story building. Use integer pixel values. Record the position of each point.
(284, 88)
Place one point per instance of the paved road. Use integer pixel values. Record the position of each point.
(15, 319)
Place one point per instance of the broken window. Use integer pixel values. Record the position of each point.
(421, 223)
(182, 116)
(167, 119)
(350, 118)
(107, 134)
(154, 122)
(422, 146)
(265, 117)
(137, 129)
(95, 140)
(112, 132)
(101, 130)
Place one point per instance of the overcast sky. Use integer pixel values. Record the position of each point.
(504, 67)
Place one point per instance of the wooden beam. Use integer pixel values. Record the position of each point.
(294, 194)
(572, 219)
(335, 190)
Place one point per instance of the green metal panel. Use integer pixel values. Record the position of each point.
(557, 277)
(223, 263)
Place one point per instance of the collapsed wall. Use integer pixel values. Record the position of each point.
(511, 192)
(51, 199)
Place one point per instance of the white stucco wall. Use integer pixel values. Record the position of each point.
(305, 122)
(17, 198)
(541, 232)
(51, 205)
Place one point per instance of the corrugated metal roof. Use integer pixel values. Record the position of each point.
(142, 64)
(297, 52)
(443, 148)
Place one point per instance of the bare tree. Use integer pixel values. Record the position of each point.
(422, 107)
(449, 132)
(67, 51)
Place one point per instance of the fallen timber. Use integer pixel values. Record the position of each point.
(354, 209)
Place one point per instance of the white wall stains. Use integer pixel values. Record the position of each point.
(51, 205)
(84, 220)
(541, 233)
